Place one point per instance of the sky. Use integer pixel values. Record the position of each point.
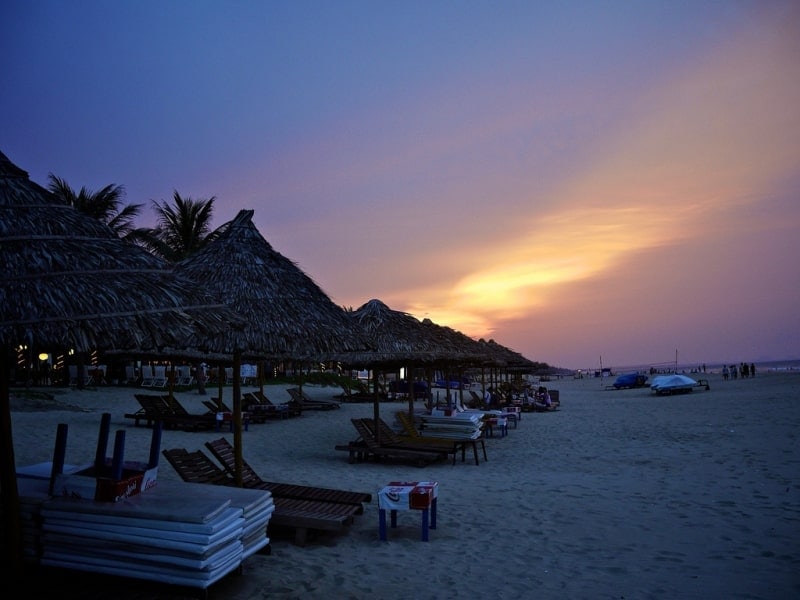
(585, 182)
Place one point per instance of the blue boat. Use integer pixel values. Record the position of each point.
(630, 380)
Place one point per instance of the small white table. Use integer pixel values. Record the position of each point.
(408, 495)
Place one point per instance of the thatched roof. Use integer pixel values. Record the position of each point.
(506, 357)
(464, 350)
(68, 281)
(288, 315)
(398, 338)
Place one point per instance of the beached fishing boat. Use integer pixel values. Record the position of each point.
(675, 384)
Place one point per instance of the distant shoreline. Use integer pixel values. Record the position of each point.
(781, 366)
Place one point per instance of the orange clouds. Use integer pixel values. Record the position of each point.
(714, 137)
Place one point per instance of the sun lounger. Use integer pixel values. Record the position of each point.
(308, 403)
(169, 412)
(258, 402)
(184, 419)
(222, 450)
(152, 409)
(355, 390)
(367, 447)
(459, 440)
(214, 406)
(147, 376)
(453, 446)
(302, 516)
(159, 376)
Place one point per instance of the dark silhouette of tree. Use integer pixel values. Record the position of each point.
(105, 205)
(182, 227)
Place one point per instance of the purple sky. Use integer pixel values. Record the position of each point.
(575, 180)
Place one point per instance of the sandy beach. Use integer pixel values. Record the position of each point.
(620, 494)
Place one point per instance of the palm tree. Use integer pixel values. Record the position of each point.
(103, 205)
(182, 228)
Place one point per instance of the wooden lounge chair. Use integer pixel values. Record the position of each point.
(152, 409)
(258, 402)
(389, 437)
(214, 406)
(368, 447)
(186, 420)
(196, 467)
(355, 390)
(308, 403)
(302, 516)
(224, 453)
(169, 412)
(411, 431)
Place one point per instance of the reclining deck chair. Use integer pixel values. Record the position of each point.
(186, 420)
(308, 403)
(170, 412)
(222, 450)
(367, 446)
(152, 408)
(410, 429)
(300, 515)
(259, 402)
(389, 436)
(214, 406)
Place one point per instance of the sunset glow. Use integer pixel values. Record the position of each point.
(624, 186)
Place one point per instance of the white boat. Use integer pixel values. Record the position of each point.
(673, 384)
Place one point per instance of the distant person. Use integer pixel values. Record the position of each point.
(202, 375)
(752, 370)
(489, 397)
(527, 398)
(542, 400)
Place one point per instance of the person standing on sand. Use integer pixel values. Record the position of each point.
(201, 379)
(489, 398)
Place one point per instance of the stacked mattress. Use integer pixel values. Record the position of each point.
(465, 426)
(176, 533)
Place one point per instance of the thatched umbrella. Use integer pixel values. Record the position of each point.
(69, 282)
(399, 340)
(466, 352)
(289, 316)
(505, 358)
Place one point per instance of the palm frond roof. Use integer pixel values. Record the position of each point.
(68, 281)
(288, 315)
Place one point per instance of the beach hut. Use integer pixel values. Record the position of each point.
(68, 282)
(288, 315)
